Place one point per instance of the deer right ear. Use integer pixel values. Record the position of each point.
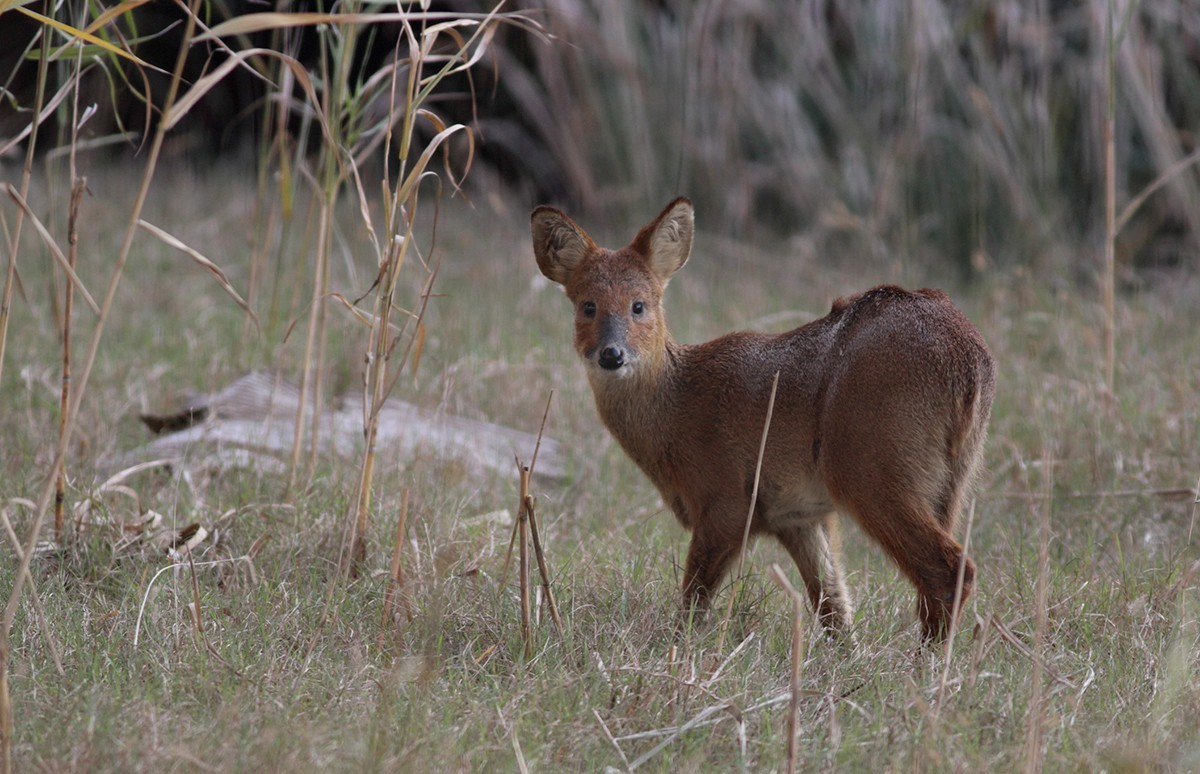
(666, 243)
(558, 243)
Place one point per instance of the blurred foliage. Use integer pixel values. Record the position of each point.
(922, 131)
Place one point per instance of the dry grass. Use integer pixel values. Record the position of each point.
(272, 682)
(143, 642)
(969, 133)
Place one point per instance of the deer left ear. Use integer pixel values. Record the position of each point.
(666, 242)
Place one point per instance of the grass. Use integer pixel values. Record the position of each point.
(275, 684)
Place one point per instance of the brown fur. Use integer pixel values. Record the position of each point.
(881, 412)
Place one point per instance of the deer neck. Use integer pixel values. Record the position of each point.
(638, 410)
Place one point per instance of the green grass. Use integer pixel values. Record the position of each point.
(280, 685)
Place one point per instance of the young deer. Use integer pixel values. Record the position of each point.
(881, 411)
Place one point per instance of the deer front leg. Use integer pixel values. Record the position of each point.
(708, 560)
(815, 547)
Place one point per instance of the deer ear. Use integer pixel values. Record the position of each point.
(667, 242)
(558, 243)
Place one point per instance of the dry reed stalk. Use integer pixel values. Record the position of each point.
(78, 186)
(333, 107)
(955, 612)
(395, 588)
(611, 739)
(798, 654)
(274, 138)
(401, 205)
(318, 372)
(762, 447)
(525, 527)
(543, 568)
(316, 301)
(1035, 732)
(523, 565)
(512, 538)
(1195, 505)
(60, 491)
(379, 387)
(197, 616)
(540, 555)
(43, 502)
(1110, 201)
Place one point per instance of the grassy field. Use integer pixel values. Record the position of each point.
(1079, 651)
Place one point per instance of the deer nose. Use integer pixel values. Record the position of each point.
(612, 358)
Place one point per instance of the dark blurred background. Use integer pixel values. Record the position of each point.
(964, 132)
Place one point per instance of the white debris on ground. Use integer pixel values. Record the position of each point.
(251, 423)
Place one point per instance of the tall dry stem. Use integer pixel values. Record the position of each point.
(395, 587)
(1108, 274)
(523, 564)
(798, 654)
(1036, 717)
(762, 447)
(78, 186)
(43, 502)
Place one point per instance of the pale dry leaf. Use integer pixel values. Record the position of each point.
(212, 268)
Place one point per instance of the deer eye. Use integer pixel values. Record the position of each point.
(588, 308)
(638, 308)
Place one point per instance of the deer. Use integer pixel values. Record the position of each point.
(880, 413)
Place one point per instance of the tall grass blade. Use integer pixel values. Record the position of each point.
(207, 264)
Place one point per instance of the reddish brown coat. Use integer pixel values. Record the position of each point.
(881, 412)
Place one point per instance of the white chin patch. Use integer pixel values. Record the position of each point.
(624, 372)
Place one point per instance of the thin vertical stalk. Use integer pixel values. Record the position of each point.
(540, 555)
(762, 447)
(1035, 731)
(334, 107)
(379, 345)
(395, 589)
(798, 654)
(1110, 200)
(43, 503)
(523, 567)
(60, 492)
(315, 321)
(78, 186)
(377, 357)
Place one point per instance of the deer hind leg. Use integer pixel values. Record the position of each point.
(911, 533)
(815, 547)
(962, 459)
